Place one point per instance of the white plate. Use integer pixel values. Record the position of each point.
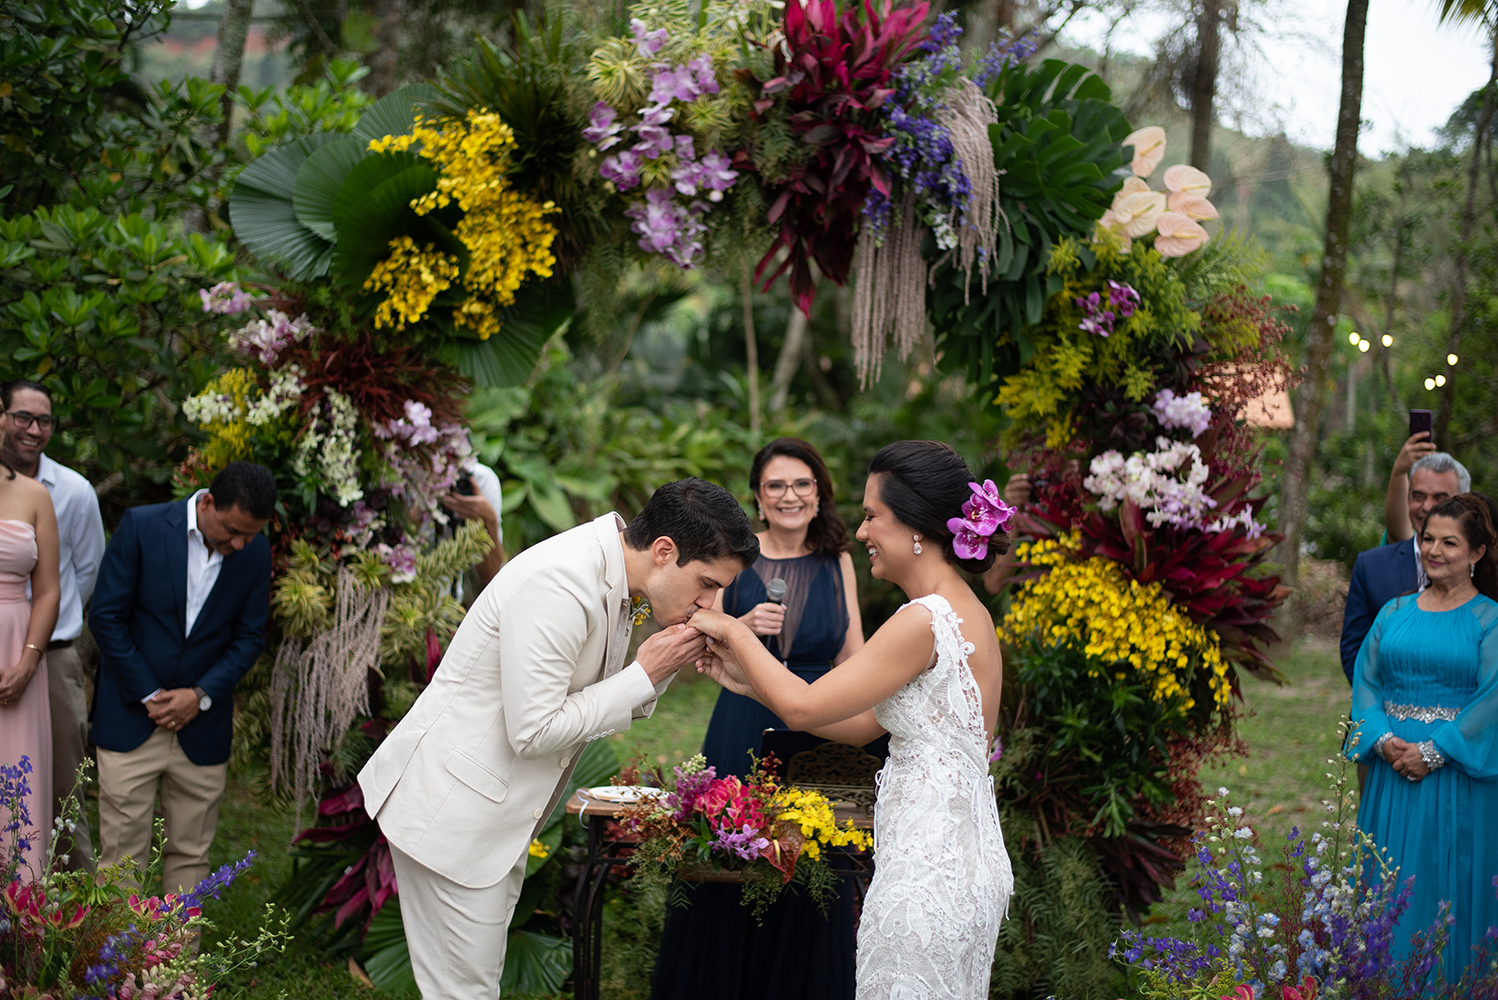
(623, 793)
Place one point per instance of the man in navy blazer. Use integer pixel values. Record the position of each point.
(1382, 574)
(179, 616)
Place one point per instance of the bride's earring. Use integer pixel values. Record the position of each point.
(1472, 570)
(917, 544)
(761, 513)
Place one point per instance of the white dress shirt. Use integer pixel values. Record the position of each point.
(203, 564)
(1421, 579)
(80, 538)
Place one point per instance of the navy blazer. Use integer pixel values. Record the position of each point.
(138, 618)
(1378, 576)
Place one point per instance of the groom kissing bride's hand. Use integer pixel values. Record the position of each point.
(669, 650)
(536, 672)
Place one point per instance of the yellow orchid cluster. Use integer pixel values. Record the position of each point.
(415, 276)
(505, 231)
(1175, 214)
(538, 850)
(813, 813)
(1117, 622)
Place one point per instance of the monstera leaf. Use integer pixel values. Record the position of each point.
(263, 212)
(1057, 146)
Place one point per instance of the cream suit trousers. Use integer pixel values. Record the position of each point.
(190, 795)
(456, 935)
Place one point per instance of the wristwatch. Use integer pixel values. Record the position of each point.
(204, 702)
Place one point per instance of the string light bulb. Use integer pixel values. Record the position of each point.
(1353, 338)
(1363, 346)
(1388, 340)
(1440, 380)
(1430, 383)
(1451, 359)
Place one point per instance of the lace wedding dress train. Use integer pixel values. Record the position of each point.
(942, 879)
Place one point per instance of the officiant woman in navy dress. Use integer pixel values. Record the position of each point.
(714, 947)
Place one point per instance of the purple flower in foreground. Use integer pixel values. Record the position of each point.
(717, 174)
(998, 751)
(746, 843)
(706, 76)
(216, 882)
(225, 298)
(1123, 298)
(943, 33)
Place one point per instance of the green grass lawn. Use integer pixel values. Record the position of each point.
(1291, 732)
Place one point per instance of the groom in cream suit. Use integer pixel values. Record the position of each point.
(463, 784)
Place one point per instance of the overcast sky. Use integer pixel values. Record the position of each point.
(1415, 72)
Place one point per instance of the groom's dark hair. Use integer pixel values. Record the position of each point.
(702, 518)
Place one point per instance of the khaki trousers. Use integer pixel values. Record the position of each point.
(190, 795)
(456, 935)
(69, 704)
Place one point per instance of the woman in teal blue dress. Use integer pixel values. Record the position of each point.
(1425, 698)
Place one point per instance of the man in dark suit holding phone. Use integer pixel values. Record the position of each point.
(179, 616)
(1383, 573)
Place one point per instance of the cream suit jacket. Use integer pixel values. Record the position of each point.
(468, 777)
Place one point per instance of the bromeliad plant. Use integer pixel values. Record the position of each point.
(767, 834)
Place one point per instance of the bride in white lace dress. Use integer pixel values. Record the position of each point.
(931, 678)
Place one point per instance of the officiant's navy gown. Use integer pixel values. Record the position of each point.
(1433, 675)
(714, 948)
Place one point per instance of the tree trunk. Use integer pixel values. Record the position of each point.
(1401, 228)
(1463, 246)
(233, 30)
(1295, 474)
(789, 361)
(384, 63)
(751, 351)
(1204, 86)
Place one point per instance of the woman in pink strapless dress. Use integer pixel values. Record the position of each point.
(28, 553)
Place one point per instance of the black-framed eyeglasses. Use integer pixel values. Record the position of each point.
(24, 420)
(774, 488)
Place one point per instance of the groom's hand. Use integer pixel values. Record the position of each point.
(669, 650)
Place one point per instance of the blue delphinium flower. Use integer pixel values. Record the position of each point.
(1001, 57)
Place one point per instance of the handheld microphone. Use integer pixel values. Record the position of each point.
(775, 591)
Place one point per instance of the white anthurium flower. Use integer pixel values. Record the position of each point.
(1133, 185)
(1179, 234)
(1191, 205)
(1184, 177)
(1137, 214)
(1149, 149)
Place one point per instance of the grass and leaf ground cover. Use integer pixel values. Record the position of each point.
(1290, 732)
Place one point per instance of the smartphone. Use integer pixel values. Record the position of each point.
(1420, 423)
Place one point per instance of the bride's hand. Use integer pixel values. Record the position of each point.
(713, 624)
(719, 664)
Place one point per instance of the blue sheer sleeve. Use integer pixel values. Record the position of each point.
(1367, 689)
(1471, 741)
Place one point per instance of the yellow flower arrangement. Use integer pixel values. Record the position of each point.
(538, 850)
(506, 233)
(1117, 622)
(414, 277)
(813, 813)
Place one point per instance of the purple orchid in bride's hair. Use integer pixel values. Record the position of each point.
(982, 515)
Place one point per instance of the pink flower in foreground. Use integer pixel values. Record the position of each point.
(1137, 214)
(1192, 205)
(1185, 178)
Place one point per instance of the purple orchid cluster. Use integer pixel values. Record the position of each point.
(1100, 315)
(665, 225)
(225, 298)
(984, 513)
(265, 339)
(922, 152)
(746, 843)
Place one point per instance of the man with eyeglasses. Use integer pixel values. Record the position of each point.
(25, 429)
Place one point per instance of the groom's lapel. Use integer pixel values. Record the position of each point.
(616, 591)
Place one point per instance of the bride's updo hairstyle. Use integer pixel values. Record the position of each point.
(924, 484)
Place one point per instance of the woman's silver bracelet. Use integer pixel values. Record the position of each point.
(1432, 757)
